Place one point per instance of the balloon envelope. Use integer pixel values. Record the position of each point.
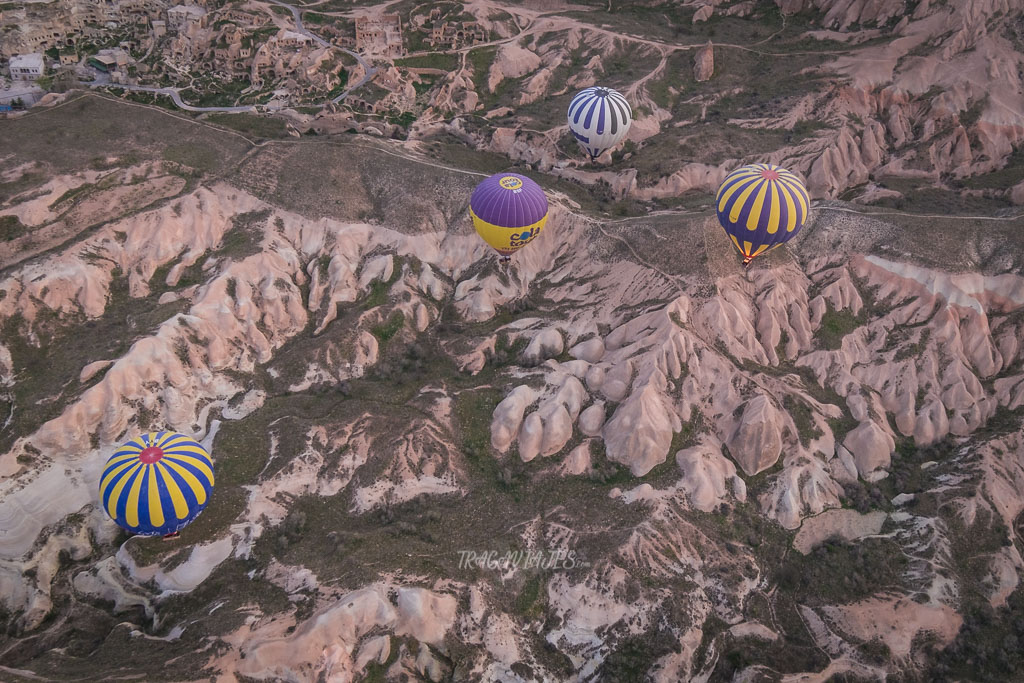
(508, 211)
(761, 206)
(599, 119)
(156, 484)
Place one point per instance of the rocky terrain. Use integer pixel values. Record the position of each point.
(620, 457)
(907, 104)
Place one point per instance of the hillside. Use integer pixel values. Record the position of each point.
(621, 456)
(745, 470)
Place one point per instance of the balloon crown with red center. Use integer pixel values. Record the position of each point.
(150, 454)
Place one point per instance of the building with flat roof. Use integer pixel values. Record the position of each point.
(27, 67)
(180, 16)
(105, 63)
(293, 39)
(380, 35)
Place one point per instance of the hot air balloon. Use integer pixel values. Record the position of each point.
(508, 211)
(156, 484)
(599, 118)
(761, 206)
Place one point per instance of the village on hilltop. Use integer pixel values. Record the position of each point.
(228, 55)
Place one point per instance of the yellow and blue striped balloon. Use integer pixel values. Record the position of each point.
(761, 206)
(156, 484)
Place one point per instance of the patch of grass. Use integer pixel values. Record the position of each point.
(875, 651)
(841, 426)
(320, 19)
(229, 583)
(530, 600)
(920, 197)
(970, 116)
(69, 137)
(803, 418)
(197, 156)
(632, 658)
(437, 60)
(837, 572)
(905, 476)
(155, 99)
(835, 325)
(405, 119)
(385, 331)
(481, 60)
(424, 85)
(689, 434)
(245, 235)
(473, 411)
(987, 646)
(971, 549)
(1009, 175)
(795, 651)
(84, 188)
(711, 628)
(807, 127)
(378, 292)
(11, 228)
(257, 126)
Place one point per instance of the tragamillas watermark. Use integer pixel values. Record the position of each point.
(554, 559)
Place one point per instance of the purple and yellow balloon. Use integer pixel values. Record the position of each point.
(508, 211)
(761, 206)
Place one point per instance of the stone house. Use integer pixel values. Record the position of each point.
(27, 67)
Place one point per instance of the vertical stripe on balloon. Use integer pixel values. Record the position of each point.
(755, 201)
(157, 483)
(599, 119)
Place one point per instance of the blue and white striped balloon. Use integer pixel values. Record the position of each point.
(599, 118)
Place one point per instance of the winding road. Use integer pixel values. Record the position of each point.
(174, 95)
(369, 71)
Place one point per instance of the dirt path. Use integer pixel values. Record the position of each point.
(905, 214)
(632, 90)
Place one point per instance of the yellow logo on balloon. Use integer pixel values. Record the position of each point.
(510, 182)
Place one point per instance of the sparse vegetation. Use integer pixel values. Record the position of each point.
(257, 126)
(835, 325)
(803, 418)
(437, 60)
(631, 661)
(11, 228)
(837, 572)
(323, 407)
(385, 331)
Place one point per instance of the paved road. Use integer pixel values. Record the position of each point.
(173, 94)
(369, 72)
